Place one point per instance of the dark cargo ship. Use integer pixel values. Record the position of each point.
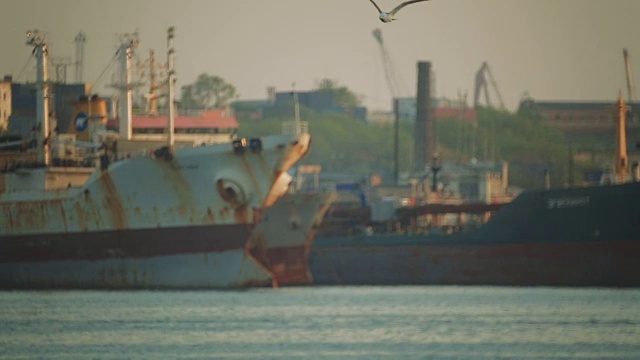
(576, 237)
(584, 236)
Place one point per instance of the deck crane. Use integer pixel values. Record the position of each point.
(481, 84)
(629, 72)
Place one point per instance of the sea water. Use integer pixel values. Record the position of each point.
(404, 322)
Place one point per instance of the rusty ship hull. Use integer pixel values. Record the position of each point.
(142, 258)
(587, 236)
(179, 220)
(282, 239)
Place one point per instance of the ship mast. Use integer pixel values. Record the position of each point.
(125, 114)
(42, 99)
(152, 96)
(622, 159)
(172, 83)
(80, 39)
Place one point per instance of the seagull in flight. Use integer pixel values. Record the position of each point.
(386, 17)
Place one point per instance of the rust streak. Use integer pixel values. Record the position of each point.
(63, 213)
(182, 188)
(252, 177)
(264, 165)
(241, 214)
(81, 217)
(113, 202)
(209, 218)
(95, 210)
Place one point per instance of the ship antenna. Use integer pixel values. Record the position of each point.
(296, 106)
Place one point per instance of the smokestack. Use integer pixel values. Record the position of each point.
(425, 136)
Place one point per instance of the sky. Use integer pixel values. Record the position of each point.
(565, 50)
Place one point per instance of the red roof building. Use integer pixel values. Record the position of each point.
(209, 121)
(209, 126)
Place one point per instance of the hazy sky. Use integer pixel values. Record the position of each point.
(552, 49)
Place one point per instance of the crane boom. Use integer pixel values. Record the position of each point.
(495, 87)
(481, 84)
(630, 85)
(394, 81)
(377, 34)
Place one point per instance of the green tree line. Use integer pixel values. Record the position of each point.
(529, 146)
(342, 144)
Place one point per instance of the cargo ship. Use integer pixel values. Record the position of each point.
(283, 237)
(173, 218)
(146, 222)
(581, 236)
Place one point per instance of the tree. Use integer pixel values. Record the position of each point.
(341, 94)
(207, 92)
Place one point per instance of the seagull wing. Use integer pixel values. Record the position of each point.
(397, 8)
(376, 5)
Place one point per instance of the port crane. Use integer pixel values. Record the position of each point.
(481, 84)
(394, 83)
